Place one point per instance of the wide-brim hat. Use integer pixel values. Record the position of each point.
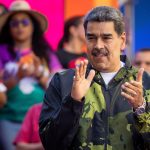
(23, 6)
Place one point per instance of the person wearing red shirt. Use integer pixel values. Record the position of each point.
(28, 136)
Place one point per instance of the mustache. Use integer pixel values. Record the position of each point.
(102, 51)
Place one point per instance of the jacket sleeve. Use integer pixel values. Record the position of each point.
(143, 122)
(59, 119)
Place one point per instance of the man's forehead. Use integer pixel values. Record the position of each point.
(98, 27)
(97, 23)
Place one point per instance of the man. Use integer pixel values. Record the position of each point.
(142, 59)
(100, 105)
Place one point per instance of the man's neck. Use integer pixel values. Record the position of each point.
(107, 77)
(116, 68)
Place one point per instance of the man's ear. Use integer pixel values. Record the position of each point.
(123, 39)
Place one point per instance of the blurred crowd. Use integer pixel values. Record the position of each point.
(27, 64)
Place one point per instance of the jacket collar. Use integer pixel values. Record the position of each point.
(126, 71)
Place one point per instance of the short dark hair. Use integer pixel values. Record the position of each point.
(106, 14)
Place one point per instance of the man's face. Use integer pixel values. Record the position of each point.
(142, 60)
(104, 46)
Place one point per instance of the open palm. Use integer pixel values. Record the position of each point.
(80, 83)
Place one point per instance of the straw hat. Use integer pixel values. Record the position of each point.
(23, 6)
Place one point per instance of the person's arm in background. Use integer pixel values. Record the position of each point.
(3, 89)
(3, 97)
(31, 146)
(46, 75)
(6, 63)
(24, 139)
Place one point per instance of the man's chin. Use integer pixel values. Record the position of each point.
(100, 67)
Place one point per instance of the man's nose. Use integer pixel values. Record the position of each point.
(99, 43)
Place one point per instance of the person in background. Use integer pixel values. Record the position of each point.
(70, 47)
(3, 88)
(3, 9)
(3, 100)
(26, 61)
(28, 136)
(103, 104)
(142, 59)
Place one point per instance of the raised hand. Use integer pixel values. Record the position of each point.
(80, 83)
(133, 90)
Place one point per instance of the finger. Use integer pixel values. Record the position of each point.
(74, 78)
(128, 91)
(129, 85)
(36, 60)
(81, 69)
(91, 76)
(131, 100)
(136, 84)
(127, 96)
(77, 76)
(139, 75)
(85, 66)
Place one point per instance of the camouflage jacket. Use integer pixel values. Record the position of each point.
(104, 120)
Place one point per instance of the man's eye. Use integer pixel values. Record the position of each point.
(91, 38)
(107, 38)
(148, 63)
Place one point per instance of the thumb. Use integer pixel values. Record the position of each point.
(91, 75)
(139, 75)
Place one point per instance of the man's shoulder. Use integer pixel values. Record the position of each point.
(64, 77)
(146, 80)
(67, 73)
(62, 82)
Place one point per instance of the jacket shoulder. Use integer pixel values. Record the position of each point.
(63, 81)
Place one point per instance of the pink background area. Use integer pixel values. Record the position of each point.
(54, 11)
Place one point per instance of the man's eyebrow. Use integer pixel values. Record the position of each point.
(103, 34)
(90, 34)
(106, 34)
